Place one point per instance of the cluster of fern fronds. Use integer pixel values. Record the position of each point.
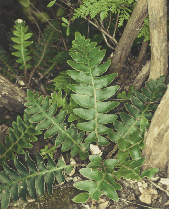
(89, 107)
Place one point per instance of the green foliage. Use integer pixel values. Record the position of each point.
(6, 63)
(19, 137)
(86, 59)
(61, 57)
(145, 31)
(123, 95)
(65, 106)
(21, 45)
(66, 24)
(41, 54)
(18, 182)
(51, 3)
(89, 106)
(94, 7)
(43, 114)
(102, 7)
(62, 81)
(46, 151)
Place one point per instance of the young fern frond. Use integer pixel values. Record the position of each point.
(42, 51)
(19, 137)
(21, 45)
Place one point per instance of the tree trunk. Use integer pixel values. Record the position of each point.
(141, 77)
(158, 38)
(131, 31)
(141, 55)
(156, 151)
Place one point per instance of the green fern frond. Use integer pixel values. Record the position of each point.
(43, 114)
(6, 64)
(14, 183)
(19, 137)
(43, 50)
(61, 57)
(91, 92)
(130, 132)
(20, 39)
(61, 81)
(57, 97)
(101, 178)
(94, 7)
(101, 181)
(130, 169)
(90, 95)
(123, 95)
(145, 30)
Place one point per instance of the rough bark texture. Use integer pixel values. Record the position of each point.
(158, 38)
(156, 151)
(141, 54)
(11, 97)
(131, 31)
(141, 77)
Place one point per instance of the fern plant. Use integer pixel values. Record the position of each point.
(19, 137)
(32, 55)
(101, 7)
(93, 111)
(21, 45)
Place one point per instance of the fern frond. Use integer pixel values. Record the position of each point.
(101, 178)
(61, 81)
(64, 104)
(92, 8)
(43, 114)
(91, 93)
(6, 63)
(22, 132)
(21, 45)
(14, 183)
(130, 132)
(61, 57)
(130, 169)
(43, 50)
(101, 181)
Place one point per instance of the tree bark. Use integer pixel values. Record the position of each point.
(131, 31)
(11, 96)
(144, 73)
(158, 38)
(141, 54)
(156, 150)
